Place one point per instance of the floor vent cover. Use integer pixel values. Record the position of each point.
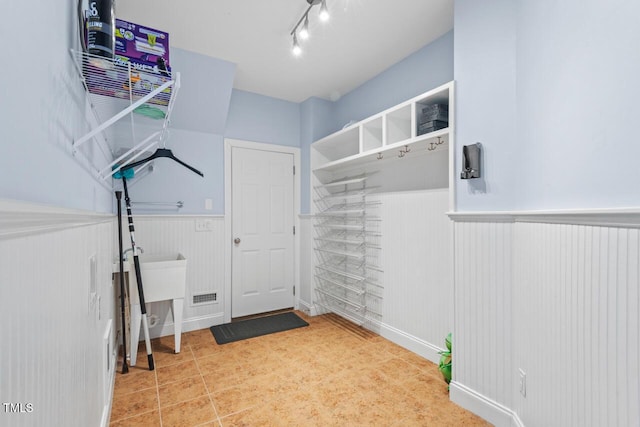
(205, 298)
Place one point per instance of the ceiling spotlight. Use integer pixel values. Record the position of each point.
(324, 12)
(304, 31)
(304, 28)
(296, 47)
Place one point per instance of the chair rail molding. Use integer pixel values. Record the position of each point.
(19, 218)
(614, 217)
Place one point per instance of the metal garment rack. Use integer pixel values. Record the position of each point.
(347, 234)
(115, 91)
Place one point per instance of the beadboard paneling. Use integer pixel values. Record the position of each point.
(559, 301)
(576, 326)
(482, 335)
(204, 251)
(53, 352)
(416, 257)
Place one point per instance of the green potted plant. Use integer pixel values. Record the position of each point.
(445, 360)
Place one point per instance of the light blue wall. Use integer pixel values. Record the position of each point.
(249, 117)
(579, 103)
(425, 69)
(170, 182)
(485, 74)
(260, 118)
(42, 109)
(551, 91)
(197, 124)
(202, 102)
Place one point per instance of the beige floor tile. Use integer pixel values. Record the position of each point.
(234, 400)
(177, 372)
(206, 348)
(182, 390)
(148, 419)
(134, 380)
(165, 356)
(188, 414)
(220, 380)
(219, 362)
(331, 373)
(130, 404)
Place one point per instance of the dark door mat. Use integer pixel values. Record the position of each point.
(236, 331)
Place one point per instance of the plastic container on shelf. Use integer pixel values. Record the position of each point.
(432, 126)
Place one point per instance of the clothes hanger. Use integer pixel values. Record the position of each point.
(162, 152)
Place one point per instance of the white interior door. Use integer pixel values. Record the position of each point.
(262, 276)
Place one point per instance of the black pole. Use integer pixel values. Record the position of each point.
(125, 367)
(136, 263)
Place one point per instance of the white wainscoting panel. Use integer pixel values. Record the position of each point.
(417, 261)
(559, 302)
(576, 324)
(483, 332)
(204, 251)
(54, 332)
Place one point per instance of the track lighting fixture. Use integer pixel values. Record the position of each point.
(304, 30)
(324, 12)
(297, 50)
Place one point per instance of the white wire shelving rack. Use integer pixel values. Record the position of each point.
(346, 244)
(115, 91)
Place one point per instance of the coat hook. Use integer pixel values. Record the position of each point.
(379, 156)
(431, 147)
(407, 149)
(439, 141)
(402, 153)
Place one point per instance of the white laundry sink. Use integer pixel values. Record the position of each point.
(163, 277)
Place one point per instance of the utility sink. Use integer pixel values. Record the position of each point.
(163, 278)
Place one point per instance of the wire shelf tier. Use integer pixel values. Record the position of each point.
(114, 79)
(347, 231)
(114, 91)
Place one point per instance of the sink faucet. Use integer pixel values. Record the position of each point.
(124, 254)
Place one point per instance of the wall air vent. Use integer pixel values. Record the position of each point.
(202, 299)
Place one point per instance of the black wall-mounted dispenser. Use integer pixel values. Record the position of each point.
(470, 161)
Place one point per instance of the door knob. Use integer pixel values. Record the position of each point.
(236, 240)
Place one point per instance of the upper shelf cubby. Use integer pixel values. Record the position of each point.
(422, 121)
(342, 144)
(372, 134)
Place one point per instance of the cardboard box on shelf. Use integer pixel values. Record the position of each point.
(145, 48)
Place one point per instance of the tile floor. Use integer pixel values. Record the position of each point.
(331, 373)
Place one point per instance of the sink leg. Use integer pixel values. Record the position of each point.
(136, 319)
(177, 321)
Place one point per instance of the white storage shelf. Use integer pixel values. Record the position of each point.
(342, 250)
(115, 91)
(391, 130)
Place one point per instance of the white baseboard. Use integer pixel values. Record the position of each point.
(490, 410)
(410, 342)
(192, 324)
(307, 308)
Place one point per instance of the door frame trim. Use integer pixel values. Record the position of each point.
(229, 144)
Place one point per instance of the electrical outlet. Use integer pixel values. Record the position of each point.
(523, 382)
(204, 225)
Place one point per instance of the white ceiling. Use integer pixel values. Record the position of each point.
(361, 39)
